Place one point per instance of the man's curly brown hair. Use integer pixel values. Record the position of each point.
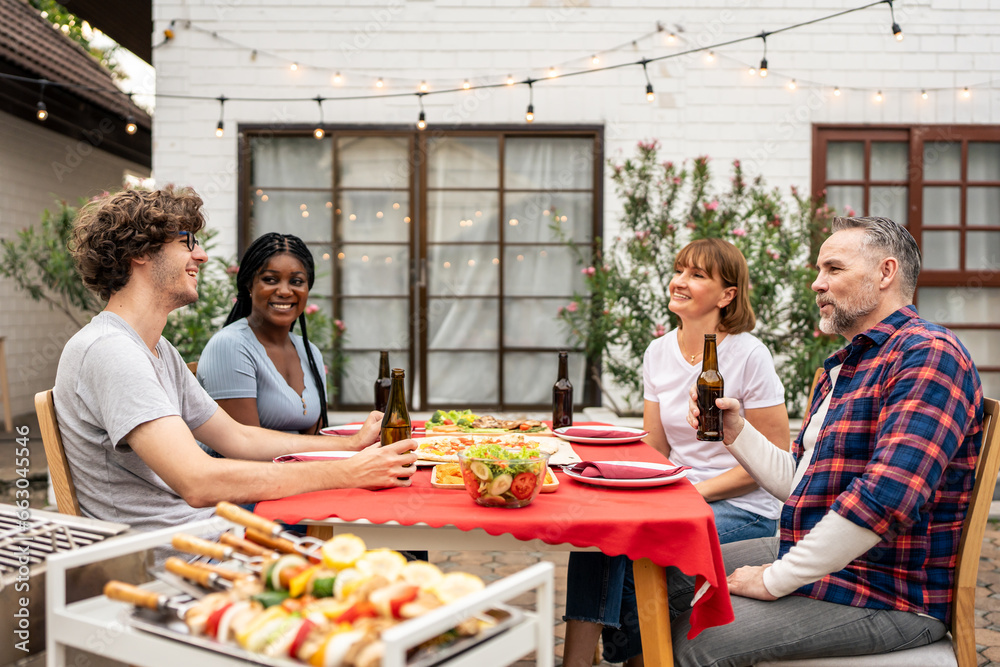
(112, 230)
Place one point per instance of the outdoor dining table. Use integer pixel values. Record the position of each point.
(656, 527)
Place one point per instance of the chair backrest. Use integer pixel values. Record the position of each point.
(812, 388)
(193, 366)
(964, 604)
(55, 456)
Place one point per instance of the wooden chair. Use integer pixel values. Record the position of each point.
(193, 366)
(812, 388)
(62, 479)
(958, 647)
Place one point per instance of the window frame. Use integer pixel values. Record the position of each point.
(418, 292)
(916, 137)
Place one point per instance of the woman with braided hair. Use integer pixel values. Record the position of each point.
(254, 367)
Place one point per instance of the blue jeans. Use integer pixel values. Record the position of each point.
(600, 588)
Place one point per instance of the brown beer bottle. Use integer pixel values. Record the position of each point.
(383, 382)
(710, 387)
(562, 395)
(396, 422)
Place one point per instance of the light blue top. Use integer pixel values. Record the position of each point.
(234, 364)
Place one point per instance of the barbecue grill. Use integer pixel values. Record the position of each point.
(27, 539)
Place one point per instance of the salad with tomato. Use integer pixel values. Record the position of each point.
(498, 476)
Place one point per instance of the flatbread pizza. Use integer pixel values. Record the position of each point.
(464, 421)
(445, 449)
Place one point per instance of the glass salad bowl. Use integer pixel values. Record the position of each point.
(497, 476)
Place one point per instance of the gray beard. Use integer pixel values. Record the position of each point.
(846, 315)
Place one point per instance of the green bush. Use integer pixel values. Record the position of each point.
(664, 207)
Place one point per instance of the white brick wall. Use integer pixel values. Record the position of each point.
(701, 109)
(36, 167)
(714, 109)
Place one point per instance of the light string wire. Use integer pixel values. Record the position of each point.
(506, 83)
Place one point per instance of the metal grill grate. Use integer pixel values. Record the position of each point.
(42, 534)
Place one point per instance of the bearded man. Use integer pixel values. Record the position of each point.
(876, 486)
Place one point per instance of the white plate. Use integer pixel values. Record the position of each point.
(583, 440)
(330, 456)
(641, 483)
(351, 429)
(314, 456)
(343, 429)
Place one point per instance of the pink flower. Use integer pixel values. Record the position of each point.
(659, 331)
(572, 307)
(677, 180)
(560, 311)
(774, 254)
(736, 164)
(589, 271)
(642, 235)
(691, 225)
(607, 312)
(712, 205)
(739, 231)
(668, 165)
(312, 308)
(340, 325)
(605, 268)
(850, 212)
(232, 269)
(795, 190)
(815, 333)
(671, 227)
(234, 299)
(824, 230)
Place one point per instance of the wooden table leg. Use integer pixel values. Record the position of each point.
(319, 532)
(654, 613)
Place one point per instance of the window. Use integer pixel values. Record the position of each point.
(943, 183)
(439, 247)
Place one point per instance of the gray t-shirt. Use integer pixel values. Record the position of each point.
(107, 383)
(234, 364)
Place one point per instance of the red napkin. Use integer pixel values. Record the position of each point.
(617, 471)
(600, 433)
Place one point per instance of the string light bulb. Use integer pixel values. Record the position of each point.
(423, 86)
(650, 95)
(710, 56)
(510, 80)
(836, 92)
(130, 126)
(671, 38)
(219, 128)
(751, 70)
(552, 72)
(529, 115)
(319, 132)
(40, 111)
(595, 60)
(337, 78)
(294, 66)
(966, 93)
(380, 83)
(421, 119)
(878, 96)
(923, 94)
(763, 61)
(792, 85)
(897, 32)
(466, 85)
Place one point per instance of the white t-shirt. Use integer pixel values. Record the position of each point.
(747, 368)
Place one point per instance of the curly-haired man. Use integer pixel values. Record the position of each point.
(130, 410)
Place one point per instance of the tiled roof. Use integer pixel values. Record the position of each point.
(33, 44)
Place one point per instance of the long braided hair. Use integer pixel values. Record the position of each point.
(254, 261)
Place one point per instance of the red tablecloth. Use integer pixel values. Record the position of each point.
(670, 525)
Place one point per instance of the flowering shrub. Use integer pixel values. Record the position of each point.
(664, 207)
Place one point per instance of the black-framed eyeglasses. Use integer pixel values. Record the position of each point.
(189, 240)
